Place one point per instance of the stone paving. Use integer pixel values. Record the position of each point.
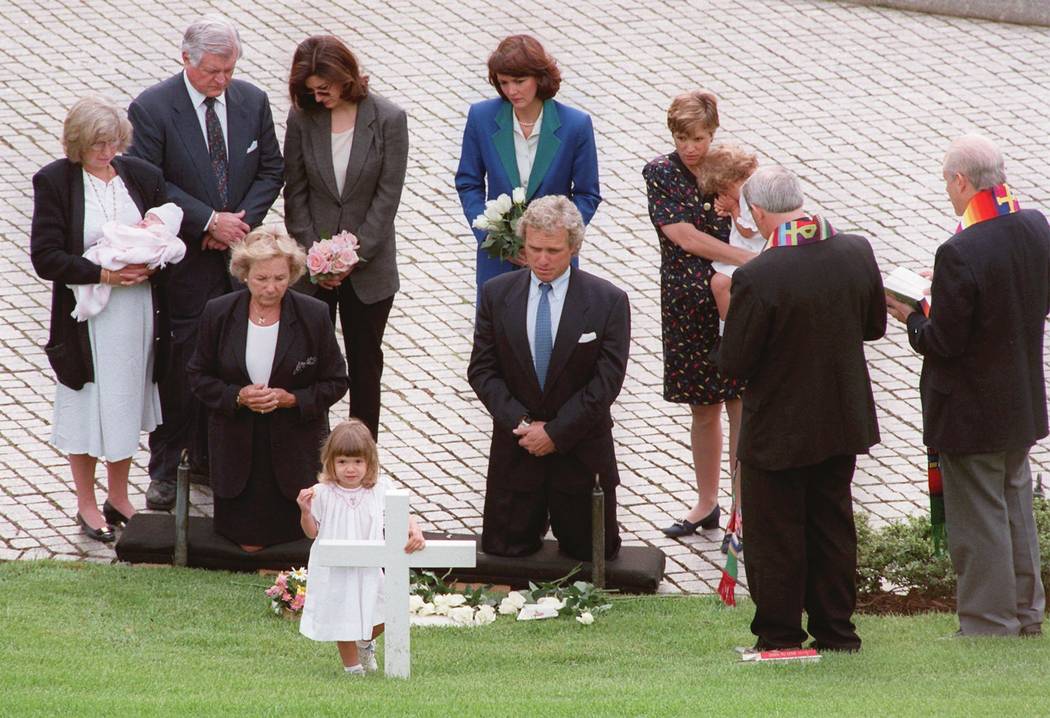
(860, 101)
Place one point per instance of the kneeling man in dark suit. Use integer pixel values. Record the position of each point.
(550, 355)
(799, 315)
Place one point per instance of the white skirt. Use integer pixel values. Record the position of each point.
(105, 418)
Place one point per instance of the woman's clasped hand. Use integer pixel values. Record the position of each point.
(264, 399)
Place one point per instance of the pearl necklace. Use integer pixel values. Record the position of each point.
(107, 189)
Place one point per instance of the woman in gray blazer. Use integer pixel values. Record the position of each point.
(346, 149)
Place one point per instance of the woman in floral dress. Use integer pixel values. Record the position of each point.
(691, 236)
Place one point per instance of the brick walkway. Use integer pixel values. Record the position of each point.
(860, 101)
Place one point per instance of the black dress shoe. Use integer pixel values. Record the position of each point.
(104, 534)
(685, 528)
(113, 516)
(160, 496)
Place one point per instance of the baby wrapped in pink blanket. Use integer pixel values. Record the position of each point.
(153, 241)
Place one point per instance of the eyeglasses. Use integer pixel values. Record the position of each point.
(104, 145)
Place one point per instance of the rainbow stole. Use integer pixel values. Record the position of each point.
(989, 204)
(804, 230)
(986, 204)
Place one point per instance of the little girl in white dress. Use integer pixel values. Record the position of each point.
(345, 604)
(726, 167)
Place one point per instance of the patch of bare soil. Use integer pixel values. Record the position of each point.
(906, 604)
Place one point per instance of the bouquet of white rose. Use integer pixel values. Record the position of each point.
(500, 219)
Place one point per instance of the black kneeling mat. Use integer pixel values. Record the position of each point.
(150, 538)
(636, 569)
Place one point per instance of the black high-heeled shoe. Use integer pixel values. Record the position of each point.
(104, 534)
(113, 516)
(685, 528)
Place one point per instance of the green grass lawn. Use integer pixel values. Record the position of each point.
(92, 640)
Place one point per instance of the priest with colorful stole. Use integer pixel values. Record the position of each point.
(982, 388)
(799, 315)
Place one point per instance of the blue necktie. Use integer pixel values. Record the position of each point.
(542, 334)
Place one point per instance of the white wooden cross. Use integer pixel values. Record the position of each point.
(390, 555)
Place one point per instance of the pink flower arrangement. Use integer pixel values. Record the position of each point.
(331, 258)
(288, 593)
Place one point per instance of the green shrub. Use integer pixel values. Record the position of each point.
(899, 556)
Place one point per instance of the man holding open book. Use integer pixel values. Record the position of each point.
(982, 389)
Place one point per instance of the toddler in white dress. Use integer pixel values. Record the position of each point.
(726, 167)
(345, 604)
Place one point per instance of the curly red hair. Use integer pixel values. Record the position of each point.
(725, 165)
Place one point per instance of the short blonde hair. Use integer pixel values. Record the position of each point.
(350, 438)
(94, 119)
(724, 166)
(266, 243)
(690, 109)
(551, 213)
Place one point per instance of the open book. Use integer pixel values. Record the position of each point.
(907, 286)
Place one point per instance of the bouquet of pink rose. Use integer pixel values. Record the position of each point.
(288, 593)
(331, 258)
(500, 219)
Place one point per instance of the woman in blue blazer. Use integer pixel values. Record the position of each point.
(524, 138)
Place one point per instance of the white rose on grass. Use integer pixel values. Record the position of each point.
(441, 606)
(508, 607)
(415, 603)
(456, 599)
(427, 609)
(518, 196)
(503, 203)
(516, 599)
(462, 615)
(552, 601)
(484, 616)
(585, 618)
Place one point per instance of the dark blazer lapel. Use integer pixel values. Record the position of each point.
(237, 142)
(570, 328)
(364, 136)
(237, 331)
(189, 128)
(76, 209)
(517, 306)
(285, 333)
(503, 140)
(547, 148)
(320, 132)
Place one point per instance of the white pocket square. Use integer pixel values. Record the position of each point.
(588, 337)
(252, 147)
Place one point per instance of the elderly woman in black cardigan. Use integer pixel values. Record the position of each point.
(268, 367)
(106, 367)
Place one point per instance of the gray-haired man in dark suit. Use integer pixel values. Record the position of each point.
(213, 138)
(983, 391)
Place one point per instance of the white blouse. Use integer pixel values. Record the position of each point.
(105, 202)
(342, 142)
(259, 351)
(525, 148)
